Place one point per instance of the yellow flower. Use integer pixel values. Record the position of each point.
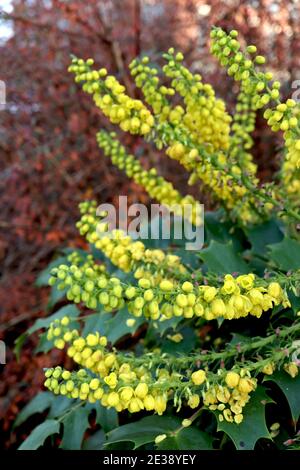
(186, 423)
(111, 380)
(160, 438)
(238, 418)
(232, 379)
(141, 390)
(274, 290)
(198, 377)
(291, 369)
(113, 399)
(269, 368)
(194, 401)
(245, 385)
(149, 403)
(160, 404)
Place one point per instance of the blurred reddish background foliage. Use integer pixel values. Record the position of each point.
(49, 160)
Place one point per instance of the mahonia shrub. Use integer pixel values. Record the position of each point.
(176, 349)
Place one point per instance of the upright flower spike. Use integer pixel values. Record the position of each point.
(156, 95)
(109, 95)
(280, 116)
(125, 382)
(156, 186)
(215, 169)
(205, 116)
(156, 297)
(123, 251)
(243, 124)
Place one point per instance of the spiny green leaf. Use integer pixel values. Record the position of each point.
(38, 404)
(94, 442)
(55, 296)
(264, 234)
(286, 254)
(143, 431)
(291, 389)
(75, 425)
(68, 310)
(38, 436)
(189, 438)
(112, 326)
(223, 258)
(253, 426)
(95, 322)
(60, 405)
(183, 347)
(116, 327)
(107, 418)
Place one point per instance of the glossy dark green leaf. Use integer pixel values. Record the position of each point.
(38, 436)
(291, 389)
(68, 310)
(106, 417)
(185, 346)
(286, 254)
(253, 426)
(75, 424)
(95, 322)
(189, 438)
(95, 441)
(223, 258)
(264, 234)
(143, 431)
(38, 404)
(60, 405)
(55, 296)
(116, 328)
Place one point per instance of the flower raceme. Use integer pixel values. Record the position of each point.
(196, 130)
(121, 385)
(122, 382)
(264, 92)
(109, 95)
(156, 186)
(233, 298)
(123, 251)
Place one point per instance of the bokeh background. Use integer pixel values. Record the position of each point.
(49, 159)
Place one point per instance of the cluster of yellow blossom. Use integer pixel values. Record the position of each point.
(121, 385)
(231, 398)
(225, 188)
(121, 249)
(156, 186)
(205, 116)
(280, 116)
(234, 298)
(127, 382)
(242, 126)
(146, 79)
(109, 95)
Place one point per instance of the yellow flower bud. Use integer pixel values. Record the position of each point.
(198, 377)
(268, 369)
(160, 438)
(141, 390)
(232, 379)
(194, 401)
(291, 369)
